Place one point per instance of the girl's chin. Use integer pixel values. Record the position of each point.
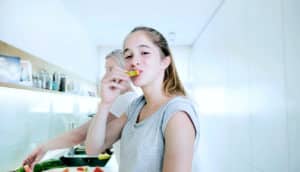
(137, 83)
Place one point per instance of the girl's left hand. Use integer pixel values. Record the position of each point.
(113, 83)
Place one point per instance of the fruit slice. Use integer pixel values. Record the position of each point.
(103, 156)
(132, 73)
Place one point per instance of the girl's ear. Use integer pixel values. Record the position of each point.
(166, 62)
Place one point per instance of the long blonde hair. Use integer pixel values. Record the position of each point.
(171, 82)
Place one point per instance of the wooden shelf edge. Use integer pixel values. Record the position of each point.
(39, 64)
(23, 87)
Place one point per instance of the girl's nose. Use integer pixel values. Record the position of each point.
(135, 62)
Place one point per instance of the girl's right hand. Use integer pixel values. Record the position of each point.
(35, 156)
(113, 83)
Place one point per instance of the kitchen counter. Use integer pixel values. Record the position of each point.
(111, 166)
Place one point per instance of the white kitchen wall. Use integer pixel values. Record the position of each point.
(182, 55)
(45, 29)
(292, 61)
(245, 80)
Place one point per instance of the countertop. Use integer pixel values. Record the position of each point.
(111, 166)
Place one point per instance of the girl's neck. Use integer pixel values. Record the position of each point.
(155, 97)
(154, 93)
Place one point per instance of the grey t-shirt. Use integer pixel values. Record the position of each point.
(143, 143)
(122, 102)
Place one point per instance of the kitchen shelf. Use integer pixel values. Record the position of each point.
(39, 64)
(23, 87)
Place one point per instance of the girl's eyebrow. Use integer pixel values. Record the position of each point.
(141, 46)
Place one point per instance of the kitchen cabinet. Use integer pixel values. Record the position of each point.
(80, 86)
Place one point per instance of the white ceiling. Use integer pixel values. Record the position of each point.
(108, 22)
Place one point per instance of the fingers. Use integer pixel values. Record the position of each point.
(117, 73)
(33, 161)
(34, 157)
(29, 160)
(114, 85)
(116, 78)
(36, 160)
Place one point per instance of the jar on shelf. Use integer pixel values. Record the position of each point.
(36, 81)
(63, 83)
(48, 82)
(42, 77)
(55, 81)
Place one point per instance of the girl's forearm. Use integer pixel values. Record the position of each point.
(96, 133)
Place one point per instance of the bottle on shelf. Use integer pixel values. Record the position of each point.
(55, 81)
(63, 82)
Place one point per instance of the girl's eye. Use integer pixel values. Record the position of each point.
(145, 53)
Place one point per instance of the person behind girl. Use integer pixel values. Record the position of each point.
(160, 130)
(78, 135)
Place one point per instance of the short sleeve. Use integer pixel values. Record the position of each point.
(181, 105)
(121, 104)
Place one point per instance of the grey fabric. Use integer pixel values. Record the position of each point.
(122, 102)
(142, 144)
(118, 108)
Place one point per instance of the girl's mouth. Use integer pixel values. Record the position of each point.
(133, 73)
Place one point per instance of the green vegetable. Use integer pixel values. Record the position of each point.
(45, 165)
(49, 164)
(20, 169)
